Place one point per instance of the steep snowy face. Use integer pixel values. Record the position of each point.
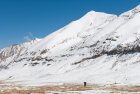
(70, 34)
(96, 45)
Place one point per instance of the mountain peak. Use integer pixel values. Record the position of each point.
(91, 12)
(95, 17)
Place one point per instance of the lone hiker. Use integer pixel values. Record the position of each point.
(85, 84)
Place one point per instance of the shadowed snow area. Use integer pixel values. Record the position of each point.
(98, 48)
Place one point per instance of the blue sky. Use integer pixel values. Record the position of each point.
(20, 19)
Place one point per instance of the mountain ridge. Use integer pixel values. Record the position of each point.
(96, 45)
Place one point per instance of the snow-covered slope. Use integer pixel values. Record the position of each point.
(97, 48)
(9, 54)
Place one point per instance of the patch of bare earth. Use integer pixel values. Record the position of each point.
(12, 89)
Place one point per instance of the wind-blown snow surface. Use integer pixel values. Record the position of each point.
(98, 48)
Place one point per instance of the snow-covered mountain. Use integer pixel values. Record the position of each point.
(97, 48)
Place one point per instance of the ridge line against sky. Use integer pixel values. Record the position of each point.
(21, 20)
